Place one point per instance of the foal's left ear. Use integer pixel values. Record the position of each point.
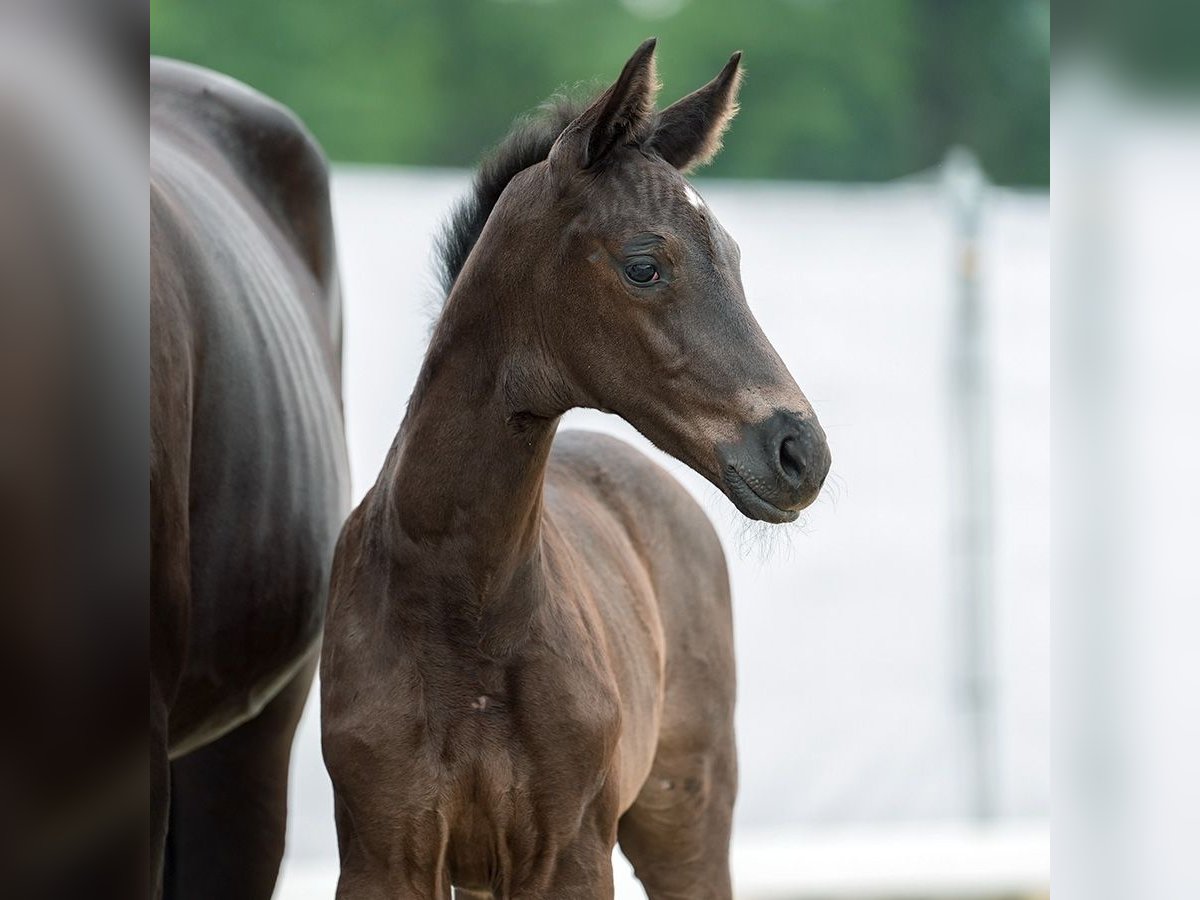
(688, 133)
(622, 114)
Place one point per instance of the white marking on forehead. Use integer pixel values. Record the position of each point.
(692, 197)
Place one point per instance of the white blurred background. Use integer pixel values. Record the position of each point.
(861, 684)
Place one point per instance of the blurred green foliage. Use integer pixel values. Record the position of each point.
(851, 90)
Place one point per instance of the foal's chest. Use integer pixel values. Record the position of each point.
(519, 782)
(519, 757)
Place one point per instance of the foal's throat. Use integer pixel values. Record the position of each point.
(466, 478)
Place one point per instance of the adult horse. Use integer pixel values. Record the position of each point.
(248, 471)
(528, 651)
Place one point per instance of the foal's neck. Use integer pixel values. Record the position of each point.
(464, 482)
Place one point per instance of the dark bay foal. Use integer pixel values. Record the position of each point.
(529, 652)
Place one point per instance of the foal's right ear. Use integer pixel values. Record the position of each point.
(688, 133)
(622, 114)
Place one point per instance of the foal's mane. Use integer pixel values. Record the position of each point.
(527, 144)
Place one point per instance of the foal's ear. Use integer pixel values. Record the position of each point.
(688, 133)
(622, 114)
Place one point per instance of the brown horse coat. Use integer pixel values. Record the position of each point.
(528, 651)
(248, 471)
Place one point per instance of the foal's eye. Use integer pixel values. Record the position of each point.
(642, 272)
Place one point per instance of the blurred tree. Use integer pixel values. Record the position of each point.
(836, 89)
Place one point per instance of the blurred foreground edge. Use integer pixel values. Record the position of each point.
(73, 450)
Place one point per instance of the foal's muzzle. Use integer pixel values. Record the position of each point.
(777, 468)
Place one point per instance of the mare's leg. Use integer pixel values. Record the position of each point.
(676, 834)
(229, 805)
(160, 787)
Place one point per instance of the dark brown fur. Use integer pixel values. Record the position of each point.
(247, 471)
(528, 652)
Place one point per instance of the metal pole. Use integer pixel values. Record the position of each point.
(971, 488)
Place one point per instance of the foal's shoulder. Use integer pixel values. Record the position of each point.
(658, 514)
(594, 454)
(622, 477)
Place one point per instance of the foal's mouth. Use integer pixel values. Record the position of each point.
(750, 502)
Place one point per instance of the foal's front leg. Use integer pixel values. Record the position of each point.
(582, 871)
(373, 868)
(365, 879)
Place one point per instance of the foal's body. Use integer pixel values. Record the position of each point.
(528, 653)
(595, 685)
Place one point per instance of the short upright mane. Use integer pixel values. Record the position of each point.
(527, 144)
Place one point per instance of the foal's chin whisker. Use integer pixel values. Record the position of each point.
(764, 541)
(834, 490)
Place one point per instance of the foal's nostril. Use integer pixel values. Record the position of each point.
(791, 460)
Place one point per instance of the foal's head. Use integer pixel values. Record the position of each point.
(617, 288)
